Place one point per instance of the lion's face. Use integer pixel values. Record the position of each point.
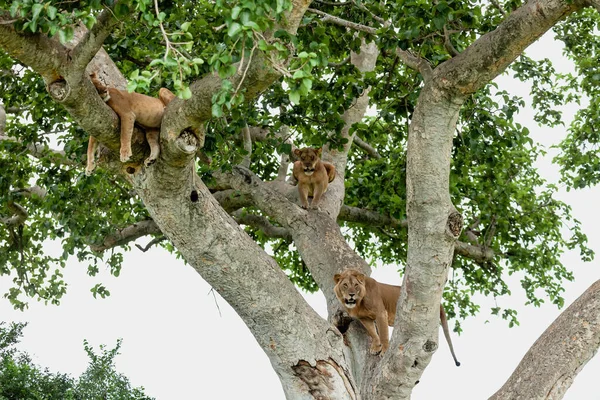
(350, 287)
(309, 157)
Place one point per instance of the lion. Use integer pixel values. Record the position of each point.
(131, 108)
(312, 174)
(374, 305)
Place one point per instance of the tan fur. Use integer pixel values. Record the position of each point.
(312, 174)
(374, 305)
(131, 108)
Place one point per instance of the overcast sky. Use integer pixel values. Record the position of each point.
(182, 341)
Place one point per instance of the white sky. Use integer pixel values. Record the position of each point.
(178, 345)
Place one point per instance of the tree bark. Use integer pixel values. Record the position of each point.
(552, 363)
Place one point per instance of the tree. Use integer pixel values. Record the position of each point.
(400, 96)
(21, 379)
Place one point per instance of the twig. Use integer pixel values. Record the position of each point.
(151, 243)
(343, 22)
(448, 44)
(246, 70)
(496, 4)
(247, 142)
(212, 290)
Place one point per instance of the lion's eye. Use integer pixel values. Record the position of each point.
(345, 285)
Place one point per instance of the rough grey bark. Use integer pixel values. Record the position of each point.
(555, 359)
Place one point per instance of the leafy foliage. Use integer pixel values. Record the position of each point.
(21, 379)
(507, 206)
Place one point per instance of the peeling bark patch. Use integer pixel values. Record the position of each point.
(455, 224)
(59, 90)
(189, 137)
(430, 346)
(194, 196)
(317, 378)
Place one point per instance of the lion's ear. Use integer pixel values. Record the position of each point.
(361, 278)
(297, 152)
(337, 278)
(319, 151)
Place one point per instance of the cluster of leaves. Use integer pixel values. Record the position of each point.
(493, 182)
(20, 378)
(69, 209)
(579, 161)
(53, 17)
(508, 206)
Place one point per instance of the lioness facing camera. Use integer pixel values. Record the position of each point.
(312, 174)
(374, 305)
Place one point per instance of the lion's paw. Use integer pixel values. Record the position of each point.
(375, 348)
(125, 155)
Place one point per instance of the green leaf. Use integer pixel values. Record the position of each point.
(185, 26)
(217, 111)
(186, 94)
(253, 25)
(234, 29)
(62, 36)
(294, 96)
(51, 12)
(36, 9)
(235, 13)
(299, 74)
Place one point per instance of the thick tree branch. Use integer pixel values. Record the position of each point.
(370, 150)
(93, 39)
(254, 75)
(126, 235)
(32, 49)
(262, 223)
(246, 277)
(368, 217)
(550, 366)
(416, 63)
(479, 254)
(489, 55)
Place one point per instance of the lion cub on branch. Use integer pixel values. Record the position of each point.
(131, 108)
(374, 304)
(312, 174)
